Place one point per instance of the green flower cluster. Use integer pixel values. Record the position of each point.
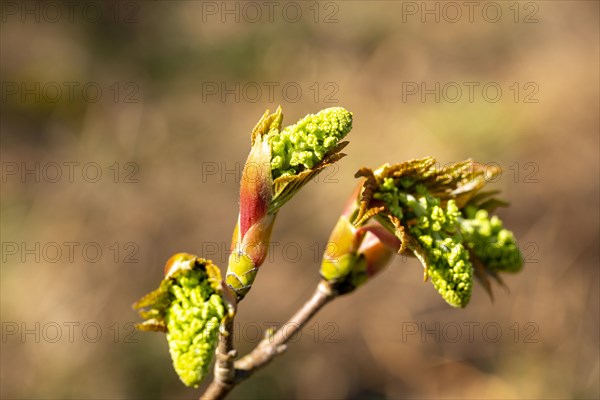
(493, 245)
(442, 217)
(188, 306)
(437, 232)
(192, 319)
(303, 145)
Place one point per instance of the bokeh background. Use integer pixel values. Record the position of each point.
(159, 98)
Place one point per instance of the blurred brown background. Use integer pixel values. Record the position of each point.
(123, 126)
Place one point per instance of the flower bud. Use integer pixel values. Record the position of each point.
(305, 144)
(493, 245)
(301, 151)
(189, 305)
(440, 249)
(279, 164)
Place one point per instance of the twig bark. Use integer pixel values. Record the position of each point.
(229, 374)
(224, 373)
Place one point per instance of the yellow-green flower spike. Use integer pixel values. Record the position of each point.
(436, 240)
(189, 304)
(303, 145)
(493, 245)
(193, 324)
(445, 259)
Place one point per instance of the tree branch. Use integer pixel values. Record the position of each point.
(224, 372)
(229, 374)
